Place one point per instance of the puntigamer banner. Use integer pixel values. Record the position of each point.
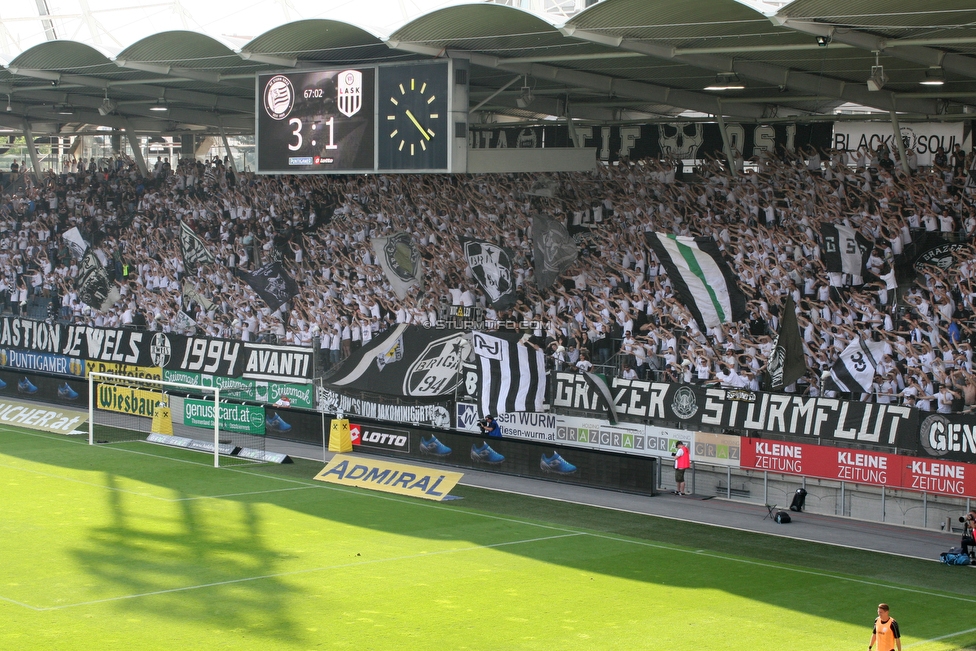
(42, 362)
(245, 419)
(747, 411)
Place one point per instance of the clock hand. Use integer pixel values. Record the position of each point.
(417, 124)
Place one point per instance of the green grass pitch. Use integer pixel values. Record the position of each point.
(133, 546)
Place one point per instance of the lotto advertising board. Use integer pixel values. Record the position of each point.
(861, 467)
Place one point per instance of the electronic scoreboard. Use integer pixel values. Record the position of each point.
(362, 119)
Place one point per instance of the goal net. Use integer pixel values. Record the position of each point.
(122, 408)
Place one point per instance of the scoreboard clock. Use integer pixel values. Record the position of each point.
(413, 117)
(321, 121)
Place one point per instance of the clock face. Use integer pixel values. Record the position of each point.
(413, 117)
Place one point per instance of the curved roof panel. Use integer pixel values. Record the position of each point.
(321, 41)
(181, 48)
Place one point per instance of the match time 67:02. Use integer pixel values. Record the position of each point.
(316, 93)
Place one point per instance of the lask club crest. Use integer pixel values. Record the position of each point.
(349, 92)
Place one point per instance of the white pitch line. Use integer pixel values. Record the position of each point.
(279, 575)
(940, 638)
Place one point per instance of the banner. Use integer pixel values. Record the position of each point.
(860, 466)
(934, 250)
(407, 362)
(949, 436)
(244, 419)
(511, 374)
(271, 283)
(299, 396)
(855, 368)
(195, 253)
(45, 419)
(126, 400)
(75, 242)
(398, 478)
(128, 370)
(491, 265)
(401, 262)
(924, 138)
(380, 437)
(198, 354)
(374, 408)
(694, 407)
(42, 362)
(278, 363)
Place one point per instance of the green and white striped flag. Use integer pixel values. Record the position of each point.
(700, 277)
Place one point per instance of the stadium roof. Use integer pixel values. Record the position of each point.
(616, 61)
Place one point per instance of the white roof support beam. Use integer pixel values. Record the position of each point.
(927, 56)
(758, 71)
(651, 93)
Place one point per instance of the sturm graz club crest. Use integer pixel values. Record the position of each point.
(685, 404)
(402, 256)
(437, 370)
(492, 268)
(349, 92)
(160, 349)
(279, 97)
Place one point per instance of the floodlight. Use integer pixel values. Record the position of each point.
(878, 78)
(726, 81)
(933, 77)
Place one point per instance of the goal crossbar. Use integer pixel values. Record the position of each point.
(126, 379)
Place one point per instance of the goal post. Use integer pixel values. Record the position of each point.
(124, 408)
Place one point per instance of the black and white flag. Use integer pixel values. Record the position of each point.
(854, 370)
(75, 242)
(511, 375)
(93, 284)
(554, 250)
(401, 262)
(844, 250)
(194, 250)
(271, 283)
(787, 363)
(492, 268)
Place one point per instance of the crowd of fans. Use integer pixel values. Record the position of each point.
(614, 310)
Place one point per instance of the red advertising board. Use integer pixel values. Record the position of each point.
(860, 467)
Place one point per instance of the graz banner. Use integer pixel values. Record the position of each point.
(862, 467)
(377, 408)
(743, 410)
(277, 363)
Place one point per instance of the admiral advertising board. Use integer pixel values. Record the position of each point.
(694, 407)
(861, 467)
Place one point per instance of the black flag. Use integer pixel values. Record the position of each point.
(787, 363)
(554, 249)
(194, 251)
(271, 283)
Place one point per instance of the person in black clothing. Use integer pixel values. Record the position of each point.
(969, 535)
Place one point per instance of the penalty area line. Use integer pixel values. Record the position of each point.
(279, 575)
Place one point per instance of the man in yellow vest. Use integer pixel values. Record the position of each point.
(885, 632)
